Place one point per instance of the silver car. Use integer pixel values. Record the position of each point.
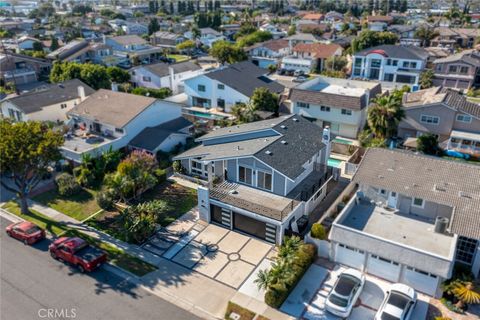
(345, 293)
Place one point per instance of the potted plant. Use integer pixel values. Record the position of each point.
(318, 237)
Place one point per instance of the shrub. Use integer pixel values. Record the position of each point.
(161, 175)
(177, 166)
(84, 176)
(163, 159)
(105, 199)
(318, 231)
(67, 185)
(275, 296)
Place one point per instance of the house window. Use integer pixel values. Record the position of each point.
(429, 119)
(464, 70)
(347, 112)
(197, 167)
(201, 88)
(388, 77)
(405, 64)
(466, 250)
(63, 106)
(264, 180)
(452, 69)
(303, 105)
(358, 62)
(245, 175)
(395, 62)
(221, 86)
(118, 130)
(464, 118)
(418, 202)
(389, 62)
(438, 67)
(382, 192)
(413, 65)
(146, 79)
(324, 109)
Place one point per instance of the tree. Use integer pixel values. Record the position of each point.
(336, 63)
(118, 75)
(224, 51)
(94, 75)
(368, 38)
(425, 34)
(466, 293)
(264, 100)
(153, 26)
(385, 115)
(426, 79)
(140, 220)
(54, 45)
(251, 39)
(37, 46)
(427, 143)
(187, 45)
(292, 30)
(27, 149)
(161, 93)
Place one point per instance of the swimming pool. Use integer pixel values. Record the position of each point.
(207, 115)
(332, 162)
(342, 141)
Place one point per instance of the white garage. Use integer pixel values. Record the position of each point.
(420, 280)
(349, 256)
(383, 268)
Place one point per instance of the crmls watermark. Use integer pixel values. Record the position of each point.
(54, 313)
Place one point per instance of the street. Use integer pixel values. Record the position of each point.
(35, 286)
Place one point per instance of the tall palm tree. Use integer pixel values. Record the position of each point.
(385, 115)
(466, 293)
(264, 279)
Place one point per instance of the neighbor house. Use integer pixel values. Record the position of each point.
(82, 51)
(260, 178)
(445, 113)
(412, 217)
(208, 36)
(458, 71)
(309, 57)
(394, 66)
(455, 37)
(163, 75)
(133, 47)
(268, 53)
(166, 39)
(338, 104)
(109, 119)
(47, 103)
(22, 69)
(222, 88)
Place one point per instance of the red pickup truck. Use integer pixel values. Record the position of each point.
(78, 253)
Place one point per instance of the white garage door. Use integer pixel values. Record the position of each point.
(383, 268)
(350, 256)
(420, 280)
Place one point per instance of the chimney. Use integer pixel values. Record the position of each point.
(171, 74)
(326, 141)
(81, 93)
(104, 39)
(114, 86)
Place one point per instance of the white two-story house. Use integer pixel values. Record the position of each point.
(261, 177)
(110, 119)
(208, 36)
(134, 48)
(411, 219)
(339, 104)
(392, 65)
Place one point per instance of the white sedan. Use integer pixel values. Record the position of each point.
(398, 304)
(345, 293)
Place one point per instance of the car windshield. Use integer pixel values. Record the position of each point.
(345, 285)
(398, 300)
(32, 230)
(337, 300)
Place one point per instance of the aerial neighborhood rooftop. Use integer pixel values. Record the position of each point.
(240, 160)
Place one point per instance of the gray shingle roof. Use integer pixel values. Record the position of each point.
(400, 52)
(51, 94)
(328, 99)
(161, 69)
(424, 177)
(245, 77)
(150, 138)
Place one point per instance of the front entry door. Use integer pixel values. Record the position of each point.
(392, 199)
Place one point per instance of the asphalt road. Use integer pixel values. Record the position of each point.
(32, 283)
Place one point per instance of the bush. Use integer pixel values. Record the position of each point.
(177, 166)
(105, 199)
(67, 185)
(163, 159)
(161, 175)
(84, 176)
(318, 231)
(275, 296)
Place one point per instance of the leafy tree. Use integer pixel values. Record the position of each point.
(37, 46)
(5, 33)
(244, 113)
(336, 63)
(224, 51)
(264, 100)
(292, 30)
(81, 9)
(118, 75)
(138, 14)
(428, 144)
(368, 38)
(67, 185)
(257, 36)
(385, 115)
(140, 220)
(153, 26)
(467, 293)
(26, 151)
(187, 45)
(94, 75)
(161, 93)
(54, 45)
(425, 34)
(426, 79)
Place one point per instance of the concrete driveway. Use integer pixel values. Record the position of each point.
(218, 253)
(370, 299)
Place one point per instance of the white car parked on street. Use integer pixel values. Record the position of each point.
(398, 304)
(345, 293)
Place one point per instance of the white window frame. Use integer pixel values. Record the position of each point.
(264, 173)
(303, 105)
(146, 79)
(347, 112)
(251, 175)
(462, 117)
(416, 205)
(430, 117)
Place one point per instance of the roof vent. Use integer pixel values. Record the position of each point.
(463, 194)
(233, 192)
(437, 187)
(283, 142)
(295, 119)
(380, 176)
(283, 126)
(268, 152)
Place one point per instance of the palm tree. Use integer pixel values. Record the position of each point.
(385, 115)
(466, 293)
(263, 280)
(425, 34)
(290, 247)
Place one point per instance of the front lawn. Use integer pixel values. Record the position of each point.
(79, 206)
(116, 256)
(178, 57)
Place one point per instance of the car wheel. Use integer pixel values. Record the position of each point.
(80, 268)
(53, 255)
(25, 242)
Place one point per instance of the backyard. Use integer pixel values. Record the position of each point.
(180, 200)
(178, 57)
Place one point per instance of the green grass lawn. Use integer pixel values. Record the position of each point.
(115, 256)
(79, 206)
(178, 57)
